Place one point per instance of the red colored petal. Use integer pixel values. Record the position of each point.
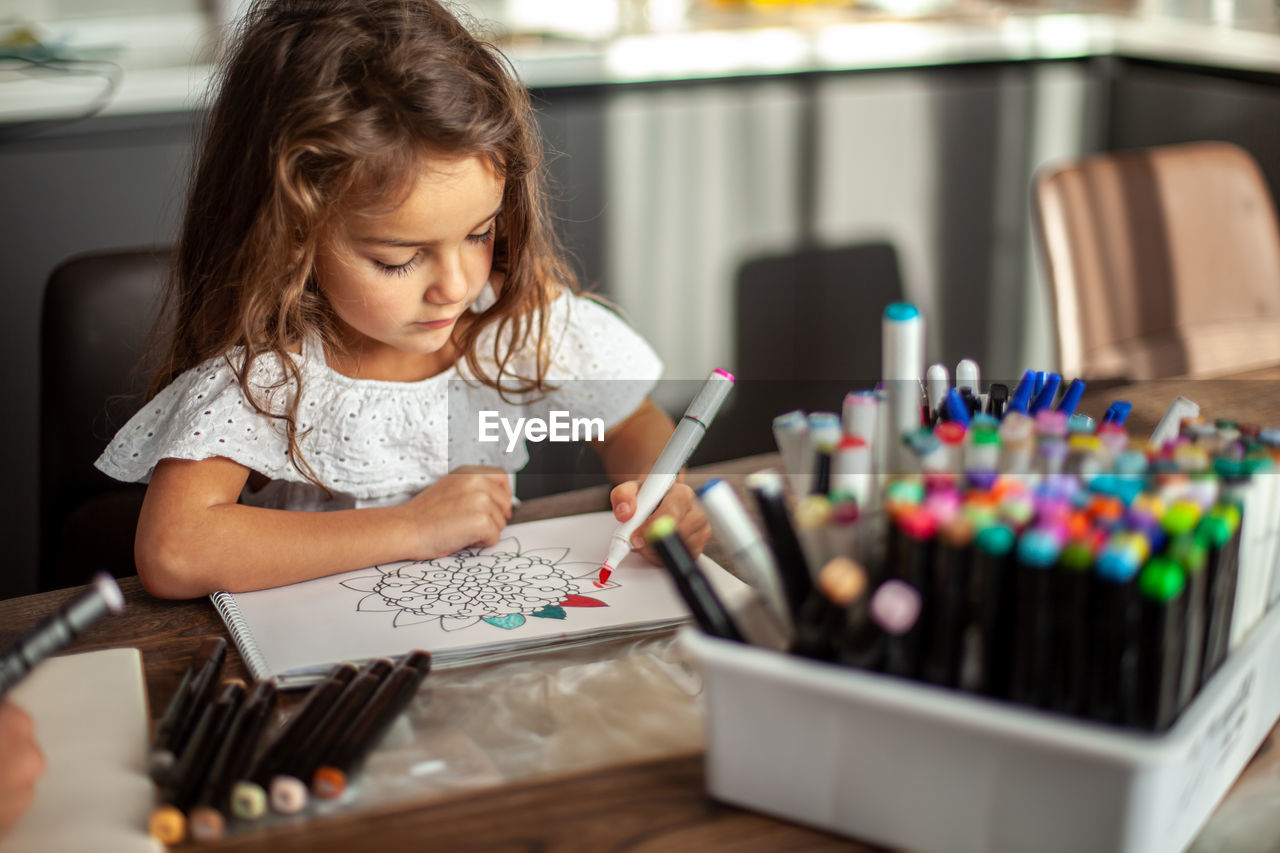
(574, 600)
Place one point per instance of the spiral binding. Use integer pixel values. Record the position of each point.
(225, 603)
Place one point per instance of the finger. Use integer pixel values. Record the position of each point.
(500, 494)
(623, 499)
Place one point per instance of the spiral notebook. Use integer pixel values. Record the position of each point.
(541, 586)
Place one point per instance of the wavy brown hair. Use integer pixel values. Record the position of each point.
(325, 109)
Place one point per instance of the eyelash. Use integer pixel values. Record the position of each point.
(412, 264)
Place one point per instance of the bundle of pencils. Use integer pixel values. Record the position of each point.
(213, 763)
(1037, 557)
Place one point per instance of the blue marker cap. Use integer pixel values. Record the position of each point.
(984, 421)
(1131, 463)
(1116, 565)
(1022, 393)
(823, 419)
(1045, 394)
(1039, 382)
(901, 312)
(1071, 398)
(794, 419)
(702, 490)
(1079, 422)
(1117, 413)
(955, 408)
(1039, 547)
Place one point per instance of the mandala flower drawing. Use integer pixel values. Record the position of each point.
(502, 586)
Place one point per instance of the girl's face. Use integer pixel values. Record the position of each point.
(400, 282)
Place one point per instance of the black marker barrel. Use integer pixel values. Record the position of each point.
(860, 642)
(822, 618)
(1113, 646)
(708, 611)
(1190, 553)
(1220, 532)
(1072, 580)
(58, 630)
(288, 788)
(392, 696)
(1033, 617)
(984, 666)
(948, 601)
(911, 555)
(249, 794)
(896, 608)
(1161, 585)
(766, 488)
(821, 469)
(168, 821)
(207, 819)
(198, 684)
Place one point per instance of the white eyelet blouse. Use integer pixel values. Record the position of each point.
(375, 442)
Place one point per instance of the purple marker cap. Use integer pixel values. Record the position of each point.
(982, 481)
(895, 607)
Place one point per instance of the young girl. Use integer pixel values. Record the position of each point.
(366, 260)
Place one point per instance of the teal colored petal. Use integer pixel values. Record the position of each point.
(511, 620)
(551, 611)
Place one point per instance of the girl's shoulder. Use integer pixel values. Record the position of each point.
(589, 339)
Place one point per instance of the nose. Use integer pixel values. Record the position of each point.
(450, 285)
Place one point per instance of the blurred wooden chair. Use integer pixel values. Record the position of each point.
(97, 312)
(1161, 262)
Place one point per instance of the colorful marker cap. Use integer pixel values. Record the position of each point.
(662, 527)
(995, 540)
(1162, 579)
(901, 312)
(895, 606)
(1039, 547)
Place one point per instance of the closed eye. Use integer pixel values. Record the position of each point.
(398, 269)
(485, 236)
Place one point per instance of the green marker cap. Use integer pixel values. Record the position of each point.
(1228, 469)
(984, 436)
(1162, 579)
(904, 491)
(1076, 556)
(1257, 464)
(1180, 518)
(1189, 552)
(995, 541)
(1230, 513)
(1214, 531)
(662, 527)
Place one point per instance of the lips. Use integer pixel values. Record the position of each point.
(437, 324)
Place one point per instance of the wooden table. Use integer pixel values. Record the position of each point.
(656, 804)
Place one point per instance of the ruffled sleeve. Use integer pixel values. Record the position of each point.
(202, 414)
(600, 366)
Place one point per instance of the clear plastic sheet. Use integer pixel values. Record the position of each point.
(574, 708)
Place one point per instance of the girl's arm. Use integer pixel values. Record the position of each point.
(629, 451)
(194, 538)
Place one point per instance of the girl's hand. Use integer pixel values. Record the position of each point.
(679, 503)
(21, 763)
(468, 506)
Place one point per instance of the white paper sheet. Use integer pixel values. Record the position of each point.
(90, 713)
(540, 585)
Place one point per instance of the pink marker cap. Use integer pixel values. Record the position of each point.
(726, 374)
